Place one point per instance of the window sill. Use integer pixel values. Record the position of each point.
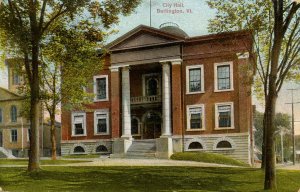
(193, 93)
(223, 90)
(101, 133)
(100, 100)
(223, 128)
(78, 135)
(195, 129)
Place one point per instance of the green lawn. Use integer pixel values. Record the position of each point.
(43, 162)
(207, 158)
(143, 179)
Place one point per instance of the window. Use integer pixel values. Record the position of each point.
(79, 149)
(28, 134)
(223, 77)
(195, 145)
(14, 135)
(101, 123)
(16, 78)
(195, 79)
(13, 113)
(224, 116)
(1, 116)
(78, 124)
(101, 149)
(195, 120)
(224, 145)
(101, 88)
(135, 126)
(151, 84)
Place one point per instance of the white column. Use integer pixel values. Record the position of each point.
(166, 99)
(126, 117)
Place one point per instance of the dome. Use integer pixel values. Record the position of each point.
(172, 28)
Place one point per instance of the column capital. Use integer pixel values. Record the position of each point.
(114, 68)
(172, 61)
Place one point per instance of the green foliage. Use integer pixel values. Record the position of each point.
(207, 158)
(282, 123)
(142, 178)
(257, 16)
(81, 156)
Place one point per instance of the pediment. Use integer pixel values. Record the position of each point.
(142, 36)
(7, 95)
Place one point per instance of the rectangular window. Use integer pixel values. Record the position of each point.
(223, 77)
(101, 87)
(1, 116)
(78, 124)
(195, 79)
(101, 123)
(28, 134)
(224, 115)
(195, 114)
(14, 135)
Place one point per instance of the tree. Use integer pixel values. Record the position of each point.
(72, 52)
(282, 123)
(276, 30)
(26, 24)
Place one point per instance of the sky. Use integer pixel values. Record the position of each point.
(192, 16)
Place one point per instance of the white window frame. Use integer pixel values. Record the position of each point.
(73, 125)
(11, 135)
(188, 78)
(28, 130)
(217, 116)
(101, 112)
(139, 126)
(230, 63)
(188, 107)
(95, 87)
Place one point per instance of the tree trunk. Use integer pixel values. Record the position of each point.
(53, 137)
(263, 147)
(34, 155)
(270, 160)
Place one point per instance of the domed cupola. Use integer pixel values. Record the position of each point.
(172, 28)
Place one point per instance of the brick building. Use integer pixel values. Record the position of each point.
(161, 91)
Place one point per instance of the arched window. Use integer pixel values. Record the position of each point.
(79, 149)
(13, 113)
(195, 145)
(134, 126)
(101, 148)
(152, 87)
(224, 145)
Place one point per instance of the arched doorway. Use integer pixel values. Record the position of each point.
(152, 125)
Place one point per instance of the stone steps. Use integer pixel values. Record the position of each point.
(142, 149)
(4, 153)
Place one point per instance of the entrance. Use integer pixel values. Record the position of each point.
(1, 139)
(152, 128)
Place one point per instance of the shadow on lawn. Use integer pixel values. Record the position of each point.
(134, 179)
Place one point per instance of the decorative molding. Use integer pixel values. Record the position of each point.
(172, 61)
(244, 55)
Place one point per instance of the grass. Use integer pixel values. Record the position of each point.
(207, 158)
(43, 162)
(83, 156)
(143, 179)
